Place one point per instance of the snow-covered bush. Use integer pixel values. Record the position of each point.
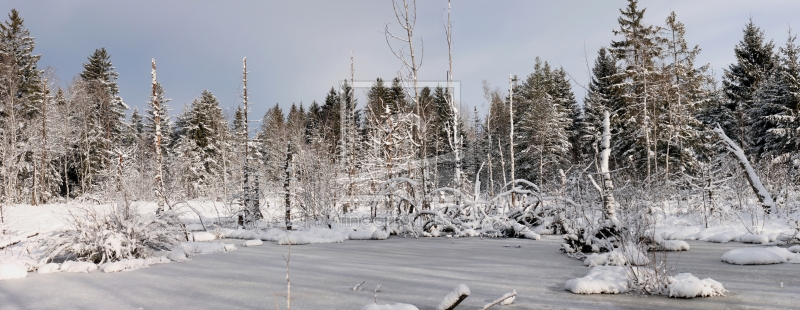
(122, 233)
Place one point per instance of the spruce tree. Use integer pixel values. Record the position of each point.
(755, 62)
(604, 95)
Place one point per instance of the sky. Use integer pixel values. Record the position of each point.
(298, 50)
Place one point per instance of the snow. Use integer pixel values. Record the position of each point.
(417, 271)
(206, 247)
(759, 256)
(202, 236)
(453, 298)
(675, 245)
(389, 307)
(685, 285)
(531, 235)
(753, 238)
(128, 264)
(618, 257)
(12, 270)
(794, 249)
(723, 237)
(195, 227)
(255, 242)
(49, 268)
(600, 280)
(505, 300)
(73, 266)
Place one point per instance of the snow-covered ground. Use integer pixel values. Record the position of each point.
(414, 271)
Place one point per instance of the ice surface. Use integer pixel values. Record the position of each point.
(685, 285)
(12, 270)
(600, 280)
(389, 307)
(417, 271)
(758, 256)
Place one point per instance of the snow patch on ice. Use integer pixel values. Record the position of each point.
(254, 242)
(725, 237)
(206, 247)
(675, 245)
(600, 280)
(794, 249)
(50, 268)
(685, 285)
(389, 307)
(73, 266)
(753, 238)
(12, 270)
(758, 256)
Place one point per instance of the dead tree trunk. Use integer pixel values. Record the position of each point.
(286, 185)
(755, 182)
(157, 110)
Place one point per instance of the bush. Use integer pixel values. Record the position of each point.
(122, 233)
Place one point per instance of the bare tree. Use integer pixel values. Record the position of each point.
(157, 110)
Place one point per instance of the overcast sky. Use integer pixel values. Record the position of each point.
(297, 50)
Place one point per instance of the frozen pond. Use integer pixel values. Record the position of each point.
(417, 271)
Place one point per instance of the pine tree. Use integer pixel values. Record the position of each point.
(106, 123)
(604, 95)
(16, 55)
(777, 102)
(755, 62)
(637, 50)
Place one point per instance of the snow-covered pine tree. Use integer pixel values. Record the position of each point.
(638, 48)
(604, 95)
(543, 134)
(107, 124)
(755, 61)
(777, 104)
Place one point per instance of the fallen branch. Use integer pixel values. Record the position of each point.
(506, 299)
(455, 297)
(17, 239)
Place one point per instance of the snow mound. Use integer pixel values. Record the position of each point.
(177, 256)
(454, 297)
(50, 268)
(203, 236)
(702, 236)
(758, 256)
(369, 232)
(240, 234)
(157, 260)
(531, 235)
(753, 238)
(389, 307)
(12, 270)
(794, 249)
(314, 235)
(254, 242)
(617, 258)
(600, 280)
(675, 245)
(73, 266)
(206, 247)
(126, 264)
(723, 237)
(685, 285)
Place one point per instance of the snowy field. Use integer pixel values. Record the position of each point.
(416, 271)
